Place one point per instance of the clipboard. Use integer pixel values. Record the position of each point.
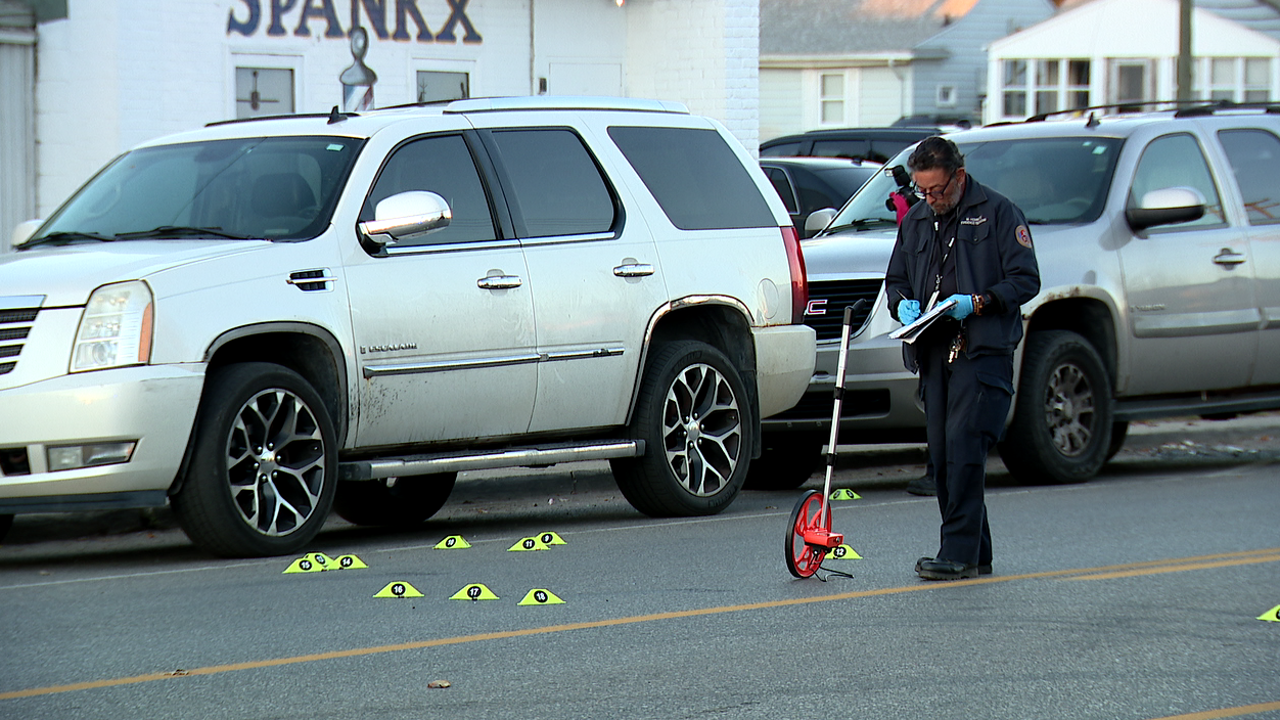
(910, 333)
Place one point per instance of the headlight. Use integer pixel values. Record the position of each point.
(115, 329)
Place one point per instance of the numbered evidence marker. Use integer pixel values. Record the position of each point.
(1272, 615)
(540, 596)
(453, 542)
(550, 538)
(842, 552)
(529, 543)
(309, 563)
(845, 494)
(398, 589)
(474, 591)
(348, 562)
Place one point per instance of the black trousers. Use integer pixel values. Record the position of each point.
(965, 404)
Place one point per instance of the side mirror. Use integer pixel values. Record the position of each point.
(818, 220)
(23, 232)
(1166, 207)
(406, 215)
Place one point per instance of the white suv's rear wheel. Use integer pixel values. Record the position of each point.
(694, 418)
(264, 468)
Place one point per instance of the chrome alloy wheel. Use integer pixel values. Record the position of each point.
(275, 459)
(1069, 410)
(702, 430)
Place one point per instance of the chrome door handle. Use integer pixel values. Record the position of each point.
(633, 270)
(500, 282)
(1227, 257)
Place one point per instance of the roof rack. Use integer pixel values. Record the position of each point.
(551, 102)
(1124, 107)
(334, 116)
(1209, 107)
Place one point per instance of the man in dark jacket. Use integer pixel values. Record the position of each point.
(969, 244)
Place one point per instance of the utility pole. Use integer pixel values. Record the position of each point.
(1184, 50)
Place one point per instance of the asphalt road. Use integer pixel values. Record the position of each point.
(1135, 596)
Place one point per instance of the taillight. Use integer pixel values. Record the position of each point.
(799, 281)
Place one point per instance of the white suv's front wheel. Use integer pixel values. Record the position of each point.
(264, 468)
(694, 417)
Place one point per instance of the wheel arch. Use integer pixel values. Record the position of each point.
(721, 322)
(309, 350)
(1089, 317)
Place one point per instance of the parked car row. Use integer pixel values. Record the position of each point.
(1158, 238)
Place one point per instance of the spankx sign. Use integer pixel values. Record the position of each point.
(284, 17)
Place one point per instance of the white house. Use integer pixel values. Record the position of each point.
(1125, 51)
(84, 80)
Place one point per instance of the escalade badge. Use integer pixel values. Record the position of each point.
(387, 348)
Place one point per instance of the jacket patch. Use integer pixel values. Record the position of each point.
(973, 221)
(1023, 235)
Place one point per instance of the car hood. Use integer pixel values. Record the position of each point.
(66, 275)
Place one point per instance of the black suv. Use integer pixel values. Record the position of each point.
(876, 144)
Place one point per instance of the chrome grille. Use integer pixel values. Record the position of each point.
(839, 294)
(15, 325)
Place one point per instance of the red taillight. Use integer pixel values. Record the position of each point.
(799, 281)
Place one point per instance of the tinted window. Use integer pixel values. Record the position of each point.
(695, 177)
(442, 165)
(1255, 156)
(780, 150)
(859, 148)
(783, 187)
(557, 188)
(882, 150)
(1176, 161)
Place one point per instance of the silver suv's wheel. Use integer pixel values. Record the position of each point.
(1062, 427)
(693, 415)
(264, 467)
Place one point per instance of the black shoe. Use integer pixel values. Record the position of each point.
(982, 569)
(922, 485)
(946, 570)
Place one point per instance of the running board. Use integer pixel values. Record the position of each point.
(1207, 404)
(534, 456)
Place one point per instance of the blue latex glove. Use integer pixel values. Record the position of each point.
(963, 307)
(908, 311)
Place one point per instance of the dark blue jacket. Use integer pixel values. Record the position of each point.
(993, 255)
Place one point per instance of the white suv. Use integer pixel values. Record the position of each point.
(255, 318)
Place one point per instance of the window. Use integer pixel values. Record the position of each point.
(831, 98)
(781, 150)
(1238, 79)
(556, 187)
(263, 91)
(857, 148)
(696, 178)
(1131, 83)
(778, 177)
(946, 96)
(1077, 88)
(1253, 155)
(1046, 86)
(437, 86)
(442, 165)
(1177, 161)
(1015, 88)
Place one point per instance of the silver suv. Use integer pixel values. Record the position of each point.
(259, 320)
(1158, 239)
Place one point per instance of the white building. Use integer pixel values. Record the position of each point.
(1125, 51)
(84, 80)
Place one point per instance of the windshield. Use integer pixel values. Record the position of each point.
(1054, 181)
(277, 188)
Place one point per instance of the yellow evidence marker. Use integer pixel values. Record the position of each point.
(324, 562)
(474, 591)
(303, 564)
(845, 494)
(1272, 615)
(550, 538)
(349, 562)
(842, 552)
(540, 596)
(399, 589)
(529, 543)
(453, 542)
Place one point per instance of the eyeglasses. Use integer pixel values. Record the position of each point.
(935, 193)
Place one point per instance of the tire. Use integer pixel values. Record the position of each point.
(264, 466)
(1061, 428)
(1119, 431)
(694, 417)
(409, 502)
(786, 461)
(6, 522)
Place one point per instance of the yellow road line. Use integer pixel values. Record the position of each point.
(1226, 712)
(1191, 563)
(1177, 568)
